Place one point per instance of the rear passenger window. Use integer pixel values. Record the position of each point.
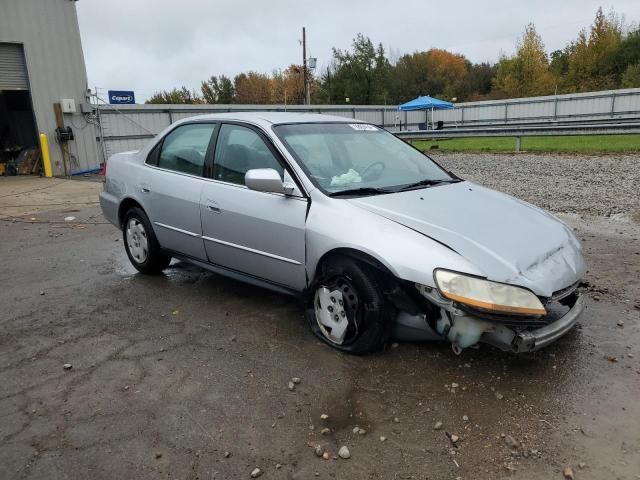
(185, 148)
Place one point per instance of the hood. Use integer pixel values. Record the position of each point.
(509, 240)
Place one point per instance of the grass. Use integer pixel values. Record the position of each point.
(576, 143)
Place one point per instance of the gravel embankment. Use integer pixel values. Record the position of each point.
(585, 184)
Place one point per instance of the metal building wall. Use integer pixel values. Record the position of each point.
(49, 31)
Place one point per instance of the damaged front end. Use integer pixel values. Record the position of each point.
(465, 325)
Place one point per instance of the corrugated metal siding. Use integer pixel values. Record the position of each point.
(50, 34)
(13, 71)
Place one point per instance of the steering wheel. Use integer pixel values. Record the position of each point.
(378, 164)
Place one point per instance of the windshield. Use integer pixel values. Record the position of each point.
(340, 157)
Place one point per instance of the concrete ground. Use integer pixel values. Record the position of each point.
(185, 375)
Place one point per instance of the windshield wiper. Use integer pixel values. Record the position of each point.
(427, 182)
(360, 191)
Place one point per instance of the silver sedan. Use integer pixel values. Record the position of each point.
(378, 239)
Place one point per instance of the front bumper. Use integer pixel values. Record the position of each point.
(532, 340)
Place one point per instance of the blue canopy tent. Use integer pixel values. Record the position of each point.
(426, 103)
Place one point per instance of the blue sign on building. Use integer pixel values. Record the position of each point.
(120, 97)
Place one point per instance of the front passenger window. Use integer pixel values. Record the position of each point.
(238, 150)
(185, 148)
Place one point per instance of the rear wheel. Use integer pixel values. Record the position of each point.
(348, 310)
(141, 244)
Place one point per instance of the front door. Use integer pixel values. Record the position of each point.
(256, 233)
(171, 188)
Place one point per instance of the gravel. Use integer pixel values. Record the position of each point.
(601, 185)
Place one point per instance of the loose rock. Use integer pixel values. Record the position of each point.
(344, 452)
(324, 416)
(256, 472)
(227, 454)
(437, 426)
(511, 442)
(326, 455)
(383, 439)
(325, 431)
(291, 386)
(568, 473)
(319, 450)
(67, 366)
(295, 380)
(454, 439)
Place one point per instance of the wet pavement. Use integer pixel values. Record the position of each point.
(185, 375)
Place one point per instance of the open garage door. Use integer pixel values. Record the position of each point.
(13, 70)
(19, 151)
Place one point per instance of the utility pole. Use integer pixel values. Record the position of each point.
(304, 66)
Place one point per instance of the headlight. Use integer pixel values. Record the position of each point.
(486, 295)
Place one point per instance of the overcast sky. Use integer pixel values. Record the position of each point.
(150, 45)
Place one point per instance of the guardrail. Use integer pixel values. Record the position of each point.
(519, 132)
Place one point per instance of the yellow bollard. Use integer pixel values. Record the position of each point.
(46, 160)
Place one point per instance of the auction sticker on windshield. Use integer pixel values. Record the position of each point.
(363, 126)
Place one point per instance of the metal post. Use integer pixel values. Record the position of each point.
(518, 143)
(555, 108)
(304, 67)
(506, 112)
(46, 159)
(462, 115)
(613, 104)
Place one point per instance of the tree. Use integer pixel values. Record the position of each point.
(252, 88)
(360, 75)
(527, 72)
(479, 79)
(631, 76)
(176, 96)
(628, 53)
(218, 90)
(591, 65)
(288, 86)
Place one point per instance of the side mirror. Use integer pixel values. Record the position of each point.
(264, 180)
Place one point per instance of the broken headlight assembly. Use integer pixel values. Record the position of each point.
(486, 295)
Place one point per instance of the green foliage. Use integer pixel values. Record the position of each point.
(631, 76)
(526, 73)
(218, 90)
(360, 75)
(176, 96)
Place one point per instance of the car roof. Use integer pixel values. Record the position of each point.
(273, 118)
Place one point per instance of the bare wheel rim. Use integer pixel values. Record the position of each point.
(137, 240)
(336, 311)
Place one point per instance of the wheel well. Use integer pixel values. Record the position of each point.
(355, 254)
(398, 291)
(125, 206)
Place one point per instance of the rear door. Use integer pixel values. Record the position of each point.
(256, 233)
(172, 186)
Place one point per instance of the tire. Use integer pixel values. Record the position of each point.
(350, 289)
(141, 244)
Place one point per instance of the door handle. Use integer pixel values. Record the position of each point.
(144, 188)
(212, 206)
